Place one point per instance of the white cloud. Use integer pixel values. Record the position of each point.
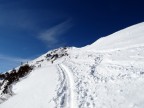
(52, 35)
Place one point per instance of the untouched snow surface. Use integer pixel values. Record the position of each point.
(35, 91)
(129, 37)
(107, 74)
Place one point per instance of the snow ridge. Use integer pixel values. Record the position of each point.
(131, 36)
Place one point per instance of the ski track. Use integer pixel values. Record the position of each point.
(105, 80)
(65, 95)
(85, 89)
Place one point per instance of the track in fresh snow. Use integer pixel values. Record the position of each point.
(65, 95)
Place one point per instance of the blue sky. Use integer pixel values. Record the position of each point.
(29, 28)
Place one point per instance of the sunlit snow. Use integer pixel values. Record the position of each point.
(107, 74)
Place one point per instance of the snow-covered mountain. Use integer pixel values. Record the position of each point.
(106, 74)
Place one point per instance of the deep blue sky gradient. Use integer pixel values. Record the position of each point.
(23, 21)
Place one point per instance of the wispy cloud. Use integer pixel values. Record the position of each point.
(13, 59)
(52, 35)
(8, 62)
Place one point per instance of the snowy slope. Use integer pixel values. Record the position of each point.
(108, 80)
(36, 91)
(107, 74)
(129, 37)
